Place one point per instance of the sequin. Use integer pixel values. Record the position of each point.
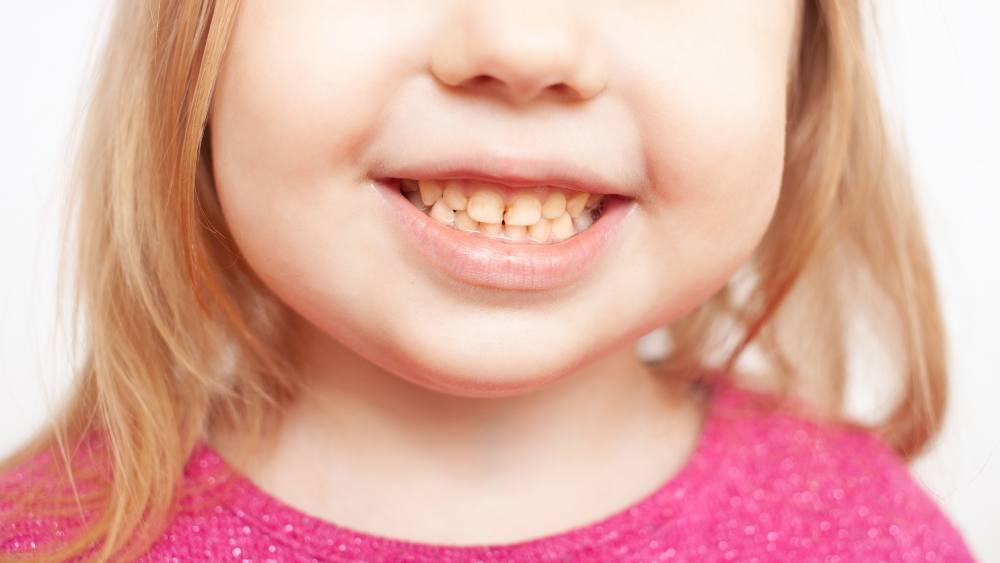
(761, 486)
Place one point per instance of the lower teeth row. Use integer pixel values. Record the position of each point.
(544, 231)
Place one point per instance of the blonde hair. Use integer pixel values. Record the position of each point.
(173, 314)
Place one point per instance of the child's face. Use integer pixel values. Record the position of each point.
(680, 104)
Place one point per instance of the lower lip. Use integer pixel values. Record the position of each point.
(476, 260)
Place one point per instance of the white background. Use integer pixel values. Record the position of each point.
(939, 65)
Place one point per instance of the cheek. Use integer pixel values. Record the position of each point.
(299, 93)
(719, 179)
(713, 118)
(714, 138)
(716, 168)
(285, 150)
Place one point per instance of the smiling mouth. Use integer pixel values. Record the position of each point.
(538, 214)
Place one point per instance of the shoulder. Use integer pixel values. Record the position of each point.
(837, 484)
(39, 511)
(36, 504)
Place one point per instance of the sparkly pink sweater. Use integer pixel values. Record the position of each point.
(760, 486)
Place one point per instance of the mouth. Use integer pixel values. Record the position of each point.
(505, 237)
(532, 215)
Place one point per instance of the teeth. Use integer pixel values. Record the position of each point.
(430, 191)
(454, 196)
(442, 213)
(576, 203)
(515, 232)
(562, 227)
(466, 223)
(523, 210)
(554, 205)
(491, 229)
(539, 214)
(583, 221)
(486, 206)
(539, 232)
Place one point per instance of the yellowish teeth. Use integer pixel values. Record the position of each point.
(466, 223)
(541, 214)
(454, 196)
(539, 232)
(491, 229)
(562, 227)
(486, 206)
(442, 213)
(554, 205)
(523, 210)
(430, 191)
(576, 203)
(515, 232)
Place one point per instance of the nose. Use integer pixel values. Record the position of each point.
(518, 48)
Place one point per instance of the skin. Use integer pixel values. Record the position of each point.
(512, 401)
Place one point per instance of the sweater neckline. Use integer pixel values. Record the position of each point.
(302, 531)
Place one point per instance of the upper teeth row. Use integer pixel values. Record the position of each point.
(556, 212)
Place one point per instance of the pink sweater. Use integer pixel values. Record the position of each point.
(759, 487)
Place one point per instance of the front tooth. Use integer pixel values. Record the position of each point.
(524, 210)
(486, 206)
(515, 232)
(540, 230)
(454, 196)
(415, 199)
(575, 204)
(554, 205)
(430, 191)
(562, 227)
(465, 223)
(442, 213)
(491, 229)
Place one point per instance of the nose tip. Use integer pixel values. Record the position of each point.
(517, 53)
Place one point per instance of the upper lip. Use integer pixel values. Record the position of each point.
(510, 171)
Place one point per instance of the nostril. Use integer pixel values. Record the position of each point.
(480, 81)
(562, 89)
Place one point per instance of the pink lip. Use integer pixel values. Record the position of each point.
(481, 261)
(516, 172)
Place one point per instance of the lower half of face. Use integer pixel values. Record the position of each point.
(476, 287)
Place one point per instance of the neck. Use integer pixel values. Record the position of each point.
(354, 421)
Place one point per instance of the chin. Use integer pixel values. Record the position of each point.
(490, 371)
